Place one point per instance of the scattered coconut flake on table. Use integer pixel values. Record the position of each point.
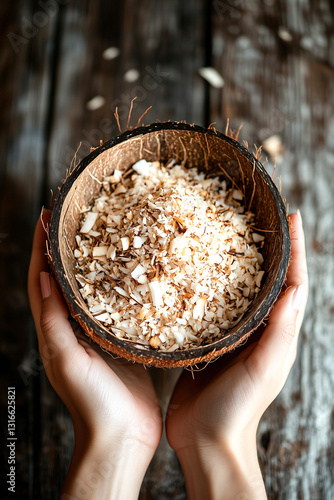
(131, 75)
(284, 34)
(274, 146)
(171, 260)
(95, 103)
(212, 76)
(111, 53)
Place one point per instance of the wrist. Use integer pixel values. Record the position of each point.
(106, 471)
(222, 470)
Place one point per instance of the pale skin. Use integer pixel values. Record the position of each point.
(113, 405)
(212, 421)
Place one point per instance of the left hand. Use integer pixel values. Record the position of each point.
(112, 401)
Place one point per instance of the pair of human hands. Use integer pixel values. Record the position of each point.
(116, 415)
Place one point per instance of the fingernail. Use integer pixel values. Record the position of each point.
(45, 284)
(298, 297)
(299, 216)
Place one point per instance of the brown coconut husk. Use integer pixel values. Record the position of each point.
(190, 146)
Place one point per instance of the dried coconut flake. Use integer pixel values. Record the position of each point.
(168, 258)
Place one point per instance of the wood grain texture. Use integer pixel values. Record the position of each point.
(272, 86)
(26, 69)
(286, 88)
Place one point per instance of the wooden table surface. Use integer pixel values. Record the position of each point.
(277, 61)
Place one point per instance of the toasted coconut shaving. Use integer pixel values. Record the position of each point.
(168, 259)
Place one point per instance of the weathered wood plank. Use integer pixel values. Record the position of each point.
(148, 36)
(26, 58)
(87, 30)
(285, 87)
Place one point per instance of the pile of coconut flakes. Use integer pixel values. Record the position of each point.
(167, 258)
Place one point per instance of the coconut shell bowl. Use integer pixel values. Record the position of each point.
(190, 146)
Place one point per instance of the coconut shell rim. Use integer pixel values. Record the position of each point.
(124, 348)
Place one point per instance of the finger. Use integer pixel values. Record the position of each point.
(297, 277)
(55, 334)
(38, 263)
(194, 379)
(275, 352)
(297, 272)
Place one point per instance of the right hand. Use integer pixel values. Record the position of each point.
(220, 408)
